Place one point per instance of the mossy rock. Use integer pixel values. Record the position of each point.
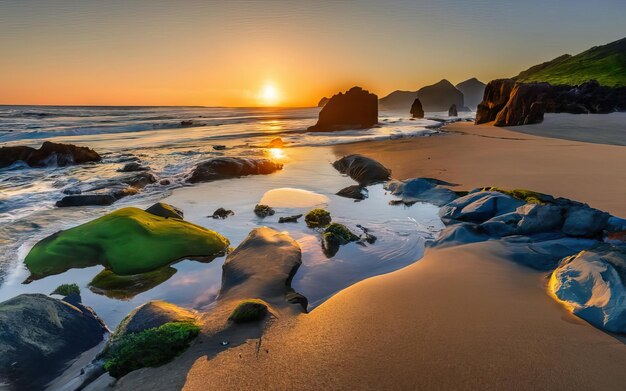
(148, 348)
(317, 218)
(249, 311)
(113, 286)
(528, 196)
(336, 235)
(128, 241)
(66, 290)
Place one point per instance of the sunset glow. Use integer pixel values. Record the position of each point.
(269, 95)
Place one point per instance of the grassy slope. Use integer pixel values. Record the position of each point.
(606, 64)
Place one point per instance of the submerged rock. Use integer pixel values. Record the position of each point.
(422, 190)
(149, 242)
(114, 286)
(48, 154)
(40, 334)
(263, 210)
(86, 200)
(289, 219)
(133, 166)
(231, 167)
(364, 170)
(221, 213)
(334, 236)
(262, 267)
(356, 192)
(356, 109)
(592, 284)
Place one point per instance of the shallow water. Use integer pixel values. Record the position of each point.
(401, 234)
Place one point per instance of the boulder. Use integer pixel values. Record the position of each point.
(127, 241)
(616, 224)
(48, 154)
(40, 334)
(262, 267)
(592, 285)
(152, 314)
(289, 219)
(231, 167)
(526, 220)
(479, 207)
(422, 190)
(364, 170)
(86, 200)
(356, 109)
(526, 105)
(317, 218)
(221, 213)
(452, 111)
(106, 192)
(496, 96)
(356, 192)
(263, 210)
(585, 222)
(167, 211)
(416, 109)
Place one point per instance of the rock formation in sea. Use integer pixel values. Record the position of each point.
(366, 171)
(48, 154)
(417, 111)
(231, 167)
(452, 111)
(322, 102)
(354, 109)
(473, 91)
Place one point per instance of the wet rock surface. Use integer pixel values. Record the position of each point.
(231, 167)
(48, 154)
(364, 170)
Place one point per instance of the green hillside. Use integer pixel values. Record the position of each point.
(606, 64)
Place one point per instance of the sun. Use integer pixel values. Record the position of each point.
(269, 95)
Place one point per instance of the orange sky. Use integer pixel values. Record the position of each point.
(224, 53)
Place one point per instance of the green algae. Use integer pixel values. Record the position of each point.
(114, 286)
(249, 311)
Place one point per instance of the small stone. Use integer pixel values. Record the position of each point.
(222, 213)
(219, 147)
(289, 219)
(263, 210)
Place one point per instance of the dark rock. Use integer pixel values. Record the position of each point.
(355, 191)
(231, 167)
(165, 182)
(334, 236)
(186, 122)
(496, 97)
(544, 251)
(140, 180)
(133, 166)
(479, 207)
(473, 91)
(440, 96)
(459, 234)
(416, 109)
(526, 105)
(165, 210)
(584, 221)
(322, 102)
(40, 334)
(452, 111)
(222, 213)
(356, 109)
(219, 147)
(364, 170)
(86, 200)
(317, 218)
(289, 219)
(263, 210)
(262, 267)
(48, 154)
(422, 190)
(152, 314)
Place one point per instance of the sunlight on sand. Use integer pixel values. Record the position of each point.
(287, 197)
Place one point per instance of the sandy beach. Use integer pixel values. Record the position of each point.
(465, 317)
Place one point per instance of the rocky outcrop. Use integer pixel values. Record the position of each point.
(511, 104)
(364, 170)
(48, 154)
(262, 267)
(106, 192)
(355, 109)
(231, 167)
(452, 111)
(440, 96)
(416, 109)
(592, 283)
(473, 91)
(152, 314)
(40, 334)
(322, 102)
(496, 97)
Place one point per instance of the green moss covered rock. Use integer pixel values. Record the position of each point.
(114, 286)
(249, 311)
(127, 241)
(317, 218)
(336, 235)
(148, 348)
(66, 289)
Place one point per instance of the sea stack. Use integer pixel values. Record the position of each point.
(355, 109)
(452, 111)
(416, 109)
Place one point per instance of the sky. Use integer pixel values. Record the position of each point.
(287, 53)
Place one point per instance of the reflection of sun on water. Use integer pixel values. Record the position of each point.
(269, 95)
(276, 153)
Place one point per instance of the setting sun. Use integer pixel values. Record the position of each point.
(269, 95)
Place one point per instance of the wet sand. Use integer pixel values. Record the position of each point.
(476, 156)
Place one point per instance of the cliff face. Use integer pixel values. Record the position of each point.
(355, 109)
(510, 104)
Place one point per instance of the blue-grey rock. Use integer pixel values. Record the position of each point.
(544, 251)
(422, 190)
(479, 207)
(585, 221)
(616, 224)
(459, 234)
